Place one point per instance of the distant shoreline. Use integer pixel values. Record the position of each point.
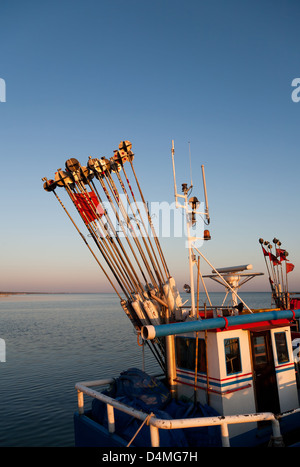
(6, 294)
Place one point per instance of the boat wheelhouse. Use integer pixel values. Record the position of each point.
(242, 369)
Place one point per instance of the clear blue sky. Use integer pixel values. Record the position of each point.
(83, 75)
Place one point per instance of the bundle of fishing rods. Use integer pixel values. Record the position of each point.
(131, 256)
(278, 267)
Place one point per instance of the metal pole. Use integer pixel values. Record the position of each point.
(111, 246)
(82, 236)
(225, 435)
(227, 285)
(105, 253)
(192, 312)
(151, 224)
(159, 276)
(121, 225)
(127, 260)
(205, 194)
(110, 418)
(151, 332)
(128, 222)
(154, 435)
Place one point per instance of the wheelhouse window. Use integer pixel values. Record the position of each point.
(186, 354)
(281, 347)
(232, 356)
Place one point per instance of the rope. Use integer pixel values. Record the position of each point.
(140, 343)
(145, 421)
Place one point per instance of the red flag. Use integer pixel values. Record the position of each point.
(271, 256)
(88, 206)
(289, 267)
(281, 254)
(274, 259)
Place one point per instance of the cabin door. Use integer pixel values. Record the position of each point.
(264, 373)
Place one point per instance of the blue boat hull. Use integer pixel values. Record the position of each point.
(89, 433)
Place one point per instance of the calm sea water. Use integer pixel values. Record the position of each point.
(55, 341)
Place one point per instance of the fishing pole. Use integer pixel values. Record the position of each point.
(274, 264)
(150, 223)
(108, 241)
(126, 154)
(276, 286)
(75, 181)
(110, 248)
(265, 253)
(154, 350)
(48, 186)
(155, 263)
(277, 244)
(99, 177)
(94, 164)
(110, 253)
(126, 220)
(138, 225)
(80, 182)
(286, 275)
(126, 260)
(269, 246)
(128, 223)
(271, 278)
(283, 257)
(65, 180)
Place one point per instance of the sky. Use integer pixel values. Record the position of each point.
(214, 76)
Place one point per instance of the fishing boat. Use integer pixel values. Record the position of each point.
(229, 373)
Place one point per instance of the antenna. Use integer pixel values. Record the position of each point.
(173, 162)
(205, 195)
(190, 164)
(190, 206)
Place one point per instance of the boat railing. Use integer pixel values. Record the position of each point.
(157, 423)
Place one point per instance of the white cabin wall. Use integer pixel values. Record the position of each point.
(213, 372)
(285, 374)
(237, 388)
(234, 387)
(229, 394)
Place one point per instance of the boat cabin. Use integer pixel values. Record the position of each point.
(239, 369)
